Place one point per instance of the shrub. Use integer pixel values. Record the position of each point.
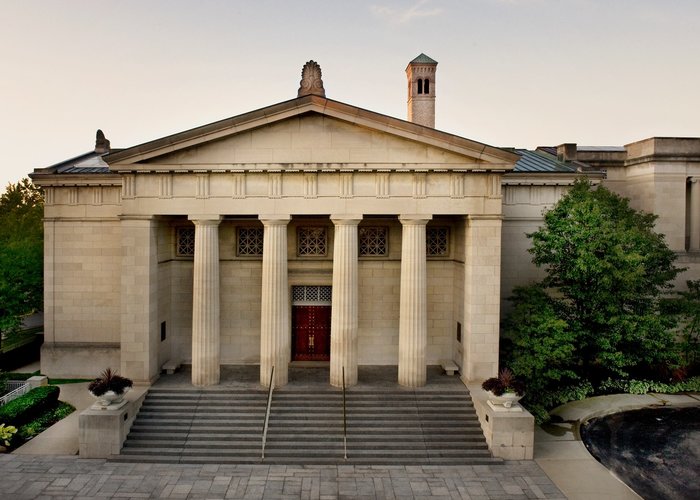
(109, 381)
(505, 382)
(6, 433)
(46, 420)
(27, 407)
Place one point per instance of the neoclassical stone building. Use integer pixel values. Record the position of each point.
(314, 231)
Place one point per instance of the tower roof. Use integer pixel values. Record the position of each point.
(423, 59)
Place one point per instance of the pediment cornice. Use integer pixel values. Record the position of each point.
(479, 155)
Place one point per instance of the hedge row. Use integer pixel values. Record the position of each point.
(26, 408)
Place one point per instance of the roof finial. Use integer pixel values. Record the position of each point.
(101, 142)
(311, 82)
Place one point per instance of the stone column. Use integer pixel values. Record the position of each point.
(413, 309)
(205, 301)
(345, 301)
(694, 222)
(275, 333)
(140, 339)
(482, 297)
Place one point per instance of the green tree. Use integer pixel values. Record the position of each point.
(542, 346)
(606, 272)
(21, 253)
(686, 305)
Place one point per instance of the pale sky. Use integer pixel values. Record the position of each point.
(511, 72)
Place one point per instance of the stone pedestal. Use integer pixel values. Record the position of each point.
(509, 432)
(102, 432)
(274, 322)
(413, 313)
(205, 301)
(345, 301)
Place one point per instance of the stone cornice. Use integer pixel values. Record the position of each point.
(73, 180)
(491, 157)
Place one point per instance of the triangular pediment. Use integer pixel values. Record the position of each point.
(311, 133)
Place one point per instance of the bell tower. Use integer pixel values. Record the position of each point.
(421, 90)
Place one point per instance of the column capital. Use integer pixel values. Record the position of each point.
(694, 180)
(346, 219)
(415, 219)
(275, 219)
(205, 219)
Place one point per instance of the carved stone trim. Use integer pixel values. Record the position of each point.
(165, 184)
(419, 185)
(382, 184)
(274, 186)
(346, 187)
(457, 185)
(239, 186)
(129, 187)
(97, 195)
(310, 185)
(311, 82)
(202, 186)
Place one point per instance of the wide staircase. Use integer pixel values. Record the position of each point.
(306, 427)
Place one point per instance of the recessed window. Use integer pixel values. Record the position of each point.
(312, 241)
(163, 331)
(426, 86)
(420, 86)
(250, 241)
(437, 242)
(185, 241)
(373, 241)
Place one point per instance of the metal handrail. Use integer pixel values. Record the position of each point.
(16, 389)
(345, 422)
(267, 412)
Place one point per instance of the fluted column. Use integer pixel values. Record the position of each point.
(205, 301)
(344, 306)
(413, 311)
(694, 222)
(274, 322)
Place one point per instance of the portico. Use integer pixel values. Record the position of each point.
(307, 230)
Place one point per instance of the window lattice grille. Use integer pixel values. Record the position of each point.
(250, 240)
(373, 241)
(304, 293)
(312, 241)
(437, 241)
(185, 241)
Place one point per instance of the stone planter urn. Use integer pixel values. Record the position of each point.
(109, 389)
(110, 397)
(507, 399)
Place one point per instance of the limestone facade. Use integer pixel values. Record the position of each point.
(200, 248)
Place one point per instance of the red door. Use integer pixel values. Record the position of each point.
(311, 333)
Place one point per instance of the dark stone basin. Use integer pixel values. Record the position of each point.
(655, 451)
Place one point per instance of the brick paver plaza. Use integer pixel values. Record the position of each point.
(44, 477)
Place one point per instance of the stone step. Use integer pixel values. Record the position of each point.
(387, 427)
(466, 461)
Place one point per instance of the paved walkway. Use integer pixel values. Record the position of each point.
(27, 477)
(46, 467)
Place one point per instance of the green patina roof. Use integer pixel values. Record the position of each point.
(423, 59)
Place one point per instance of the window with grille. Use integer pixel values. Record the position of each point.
(312, 241)
(373, 241)
(305, 294)
(250, 241)
(437, 241)
(185, 241)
